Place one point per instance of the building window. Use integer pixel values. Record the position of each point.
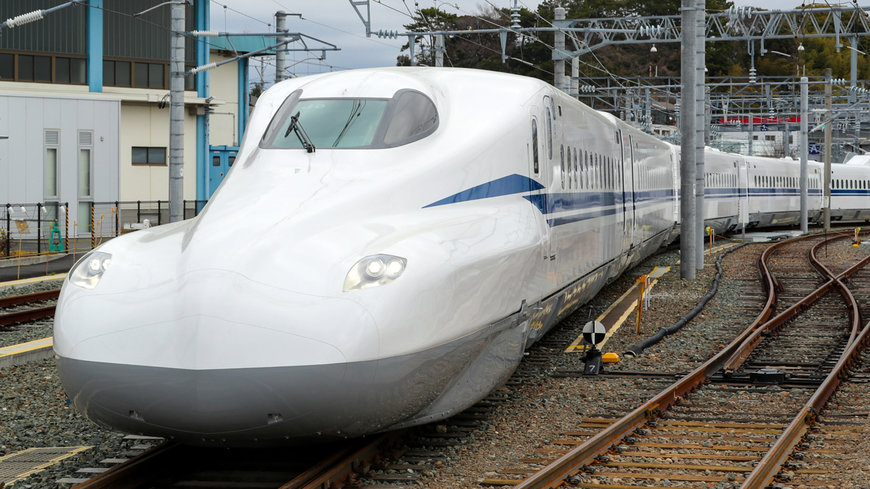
(49, 69)
(149, 75)
(50, 169)
(116, 73)
(149, 155)
(34, 68)
(7, 66)
(70, 70)
(85, 164)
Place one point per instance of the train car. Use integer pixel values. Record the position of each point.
(850, 190)
(386, 246)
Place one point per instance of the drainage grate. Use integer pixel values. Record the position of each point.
(19, 465)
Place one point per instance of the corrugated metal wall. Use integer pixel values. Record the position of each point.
(142, 37)
(63, 32)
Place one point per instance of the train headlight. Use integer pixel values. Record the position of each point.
(374, 270)
(90, 269)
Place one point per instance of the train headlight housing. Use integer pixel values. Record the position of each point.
(90, 269)
(373, 271)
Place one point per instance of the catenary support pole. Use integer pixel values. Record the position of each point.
(750, 149)
(828, 124)
(559, 45)
(804, 150)
(176, 112)
(700, 131)
(281, 52)
(687, 143)
(439, 50)
(575, 76)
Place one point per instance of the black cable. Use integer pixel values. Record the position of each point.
(667, 330)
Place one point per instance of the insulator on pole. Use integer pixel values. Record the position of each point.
(203, 68)
(24, 18)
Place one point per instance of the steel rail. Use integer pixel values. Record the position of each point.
(17, 300)
(335, 470)
(27, 315)
(770, 464)
(128, 475)
(553, 474)
(743, 351)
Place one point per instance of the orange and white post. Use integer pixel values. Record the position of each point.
(643, 280)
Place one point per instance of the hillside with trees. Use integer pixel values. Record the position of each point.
(530, 54)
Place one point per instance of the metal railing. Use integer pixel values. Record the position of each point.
(45, 227)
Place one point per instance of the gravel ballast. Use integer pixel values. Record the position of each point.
(34, 411)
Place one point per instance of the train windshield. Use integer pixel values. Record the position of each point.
(352, 122)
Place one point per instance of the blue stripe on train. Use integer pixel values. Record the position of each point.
(511, 184)
(607, 202)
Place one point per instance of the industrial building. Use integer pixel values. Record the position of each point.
(84, 112)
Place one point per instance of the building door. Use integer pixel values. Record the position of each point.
(222, 158)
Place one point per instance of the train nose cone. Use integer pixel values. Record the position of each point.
(240, 362)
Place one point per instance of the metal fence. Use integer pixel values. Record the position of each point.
(45, 227)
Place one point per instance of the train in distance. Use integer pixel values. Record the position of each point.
(387, 245)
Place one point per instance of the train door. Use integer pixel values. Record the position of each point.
(629, 196)
(624, 175)
(553, 180)
(742, 193)
(540, 144)
(815, 199)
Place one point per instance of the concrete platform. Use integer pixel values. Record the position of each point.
(26, 352)
(36, 266)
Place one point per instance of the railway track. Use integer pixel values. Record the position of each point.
(735, 430)
(707, 428)
(29, 307)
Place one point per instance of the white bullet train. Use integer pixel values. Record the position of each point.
(386, 246)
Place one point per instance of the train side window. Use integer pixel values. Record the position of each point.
(610, 162)
(586, 172)
(570, 170)
(599, 179)
(562, 157)
(549, 134)
(576, 170)
(535, 146)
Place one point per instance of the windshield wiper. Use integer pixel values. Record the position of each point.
(296, 128)
(355, 110)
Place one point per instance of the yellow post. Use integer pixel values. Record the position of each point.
(93, 228)
(710, 233)
(20, 239)
(857, 237)
(641, 289)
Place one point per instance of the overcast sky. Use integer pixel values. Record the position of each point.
(336, 22)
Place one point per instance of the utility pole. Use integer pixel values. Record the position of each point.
(281, 52)
(687, 143)
(176, 112)
(828, 122)
(700, 130)
(804, 154)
